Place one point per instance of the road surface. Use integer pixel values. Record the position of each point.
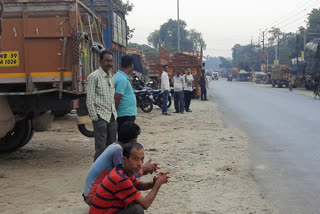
(284, 150)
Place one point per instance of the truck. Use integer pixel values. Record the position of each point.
(48, 49)
(141, 68)
(156, 64)
(176, 61)
(280, 76)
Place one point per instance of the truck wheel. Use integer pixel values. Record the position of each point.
(83, 129)
(18, 137)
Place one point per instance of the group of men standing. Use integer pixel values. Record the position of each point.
(183, 85)
(112, 184)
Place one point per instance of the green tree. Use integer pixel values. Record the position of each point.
(246, 57)
(275, 35)
(197, 40)
(225, 63)
(167, 36)
(313, 25)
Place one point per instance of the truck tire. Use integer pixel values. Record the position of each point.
(43, 122)
(18, 137)
(83, 129)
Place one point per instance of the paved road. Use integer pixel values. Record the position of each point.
(284, 148)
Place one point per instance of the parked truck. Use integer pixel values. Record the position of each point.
(280, 76)
(48, 48)
(176, 61)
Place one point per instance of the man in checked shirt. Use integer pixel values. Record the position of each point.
(101, 105)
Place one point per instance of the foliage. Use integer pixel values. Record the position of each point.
(225, 63)
(275, 35)
(123, 8)
(167, 36)
(246, 57)
(313, 25)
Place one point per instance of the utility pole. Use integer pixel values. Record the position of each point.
(178, 25)
(297, 50)
(110, 24)
(305, 38)
(263, 36)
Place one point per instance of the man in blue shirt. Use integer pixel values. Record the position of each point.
(125, 98)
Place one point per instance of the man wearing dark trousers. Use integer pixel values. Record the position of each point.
(203, 86)
(100, 103)
(178, 83)
(125, 98)
(165, 87)
(188, 87)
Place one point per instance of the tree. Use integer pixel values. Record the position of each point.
(197, 40)
(167, 36)
(275, 35)
(121, 7)
(313, 25)
(246, 57)
(225, 63)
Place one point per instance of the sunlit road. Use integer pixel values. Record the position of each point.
(284, 148)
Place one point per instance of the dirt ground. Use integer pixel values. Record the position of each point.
(208, 164)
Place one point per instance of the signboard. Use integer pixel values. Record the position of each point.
(276, 62)
(9, 59)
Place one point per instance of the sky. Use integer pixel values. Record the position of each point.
(223, 23)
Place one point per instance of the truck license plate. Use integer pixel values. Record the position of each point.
(9, 59)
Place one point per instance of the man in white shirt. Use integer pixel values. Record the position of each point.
(188, 88)
(178, 83)
(165, 87)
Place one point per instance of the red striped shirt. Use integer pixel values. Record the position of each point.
(115, 193)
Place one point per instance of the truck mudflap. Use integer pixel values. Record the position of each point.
(83, 117)
(7, 120)
(82, 122)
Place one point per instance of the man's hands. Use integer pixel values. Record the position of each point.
(150, 167)
(162, 178)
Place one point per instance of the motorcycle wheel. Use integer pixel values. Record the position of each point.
(168, 104)
(146, 105)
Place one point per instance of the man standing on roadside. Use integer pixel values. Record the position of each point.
(120, 193)
(188, 89)
(178, 82)
(125, 98)
(165, 87)
(100, 103)
(203, 85)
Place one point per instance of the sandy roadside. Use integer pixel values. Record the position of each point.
(209, 165)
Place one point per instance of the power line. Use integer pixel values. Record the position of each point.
(295, 20)
(294, 13)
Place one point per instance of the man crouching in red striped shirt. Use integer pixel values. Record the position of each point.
(120, 193)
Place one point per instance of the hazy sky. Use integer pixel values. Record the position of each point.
(223, 23)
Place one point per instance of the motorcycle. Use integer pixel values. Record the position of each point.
(158, 98)
(144, 99)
